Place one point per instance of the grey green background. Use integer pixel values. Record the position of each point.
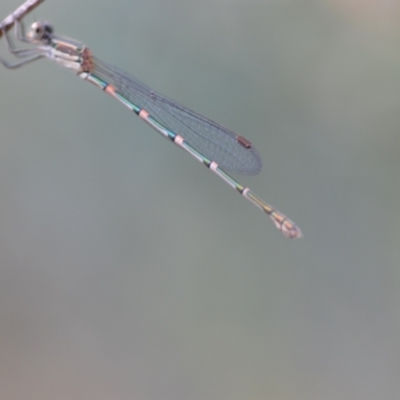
(128, 271)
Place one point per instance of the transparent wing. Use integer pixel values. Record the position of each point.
(212, 140)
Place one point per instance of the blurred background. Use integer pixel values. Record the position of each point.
(128, 271)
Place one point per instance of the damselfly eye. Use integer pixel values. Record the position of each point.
(48, 29)
(37, 29)
(41, 31)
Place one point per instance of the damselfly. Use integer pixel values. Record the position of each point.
(218, 148)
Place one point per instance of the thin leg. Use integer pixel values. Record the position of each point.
(10, 44)
(20, 63)
(19, 31)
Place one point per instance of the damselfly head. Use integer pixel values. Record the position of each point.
(40, 32)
